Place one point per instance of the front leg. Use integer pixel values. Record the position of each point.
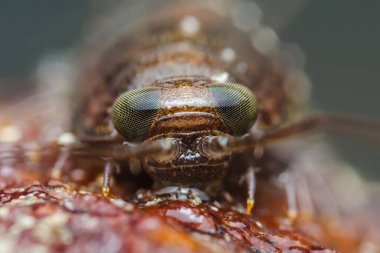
(250, 178)
(109, 169)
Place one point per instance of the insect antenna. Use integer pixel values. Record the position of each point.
(161, 150)
(164, 149)
(361, 129)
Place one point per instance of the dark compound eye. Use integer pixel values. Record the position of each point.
(236, 105)
(134, 111)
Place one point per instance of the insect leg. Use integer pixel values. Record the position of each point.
(251, 188)
(10, 153)
(56, 171)
(286, 178)
(109, 169)
(322, 194)
(303, 194)
(249, 177)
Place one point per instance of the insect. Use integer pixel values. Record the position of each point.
(191, 98)
(185, 91)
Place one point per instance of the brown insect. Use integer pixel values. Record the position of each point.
(186, 90)
(197, 102)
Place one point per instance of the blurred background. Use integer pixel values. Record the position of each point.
(341, 41)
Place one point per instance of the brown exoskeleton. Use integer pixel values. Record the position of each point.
(184, 92)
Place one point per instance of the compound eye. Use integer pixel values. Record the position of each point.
(134, 112)
(236, 105)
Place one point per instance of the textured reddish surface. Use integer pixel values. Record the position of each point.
(53, 217)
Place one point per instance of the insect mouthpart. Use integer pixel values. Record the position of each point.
(187, 166)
